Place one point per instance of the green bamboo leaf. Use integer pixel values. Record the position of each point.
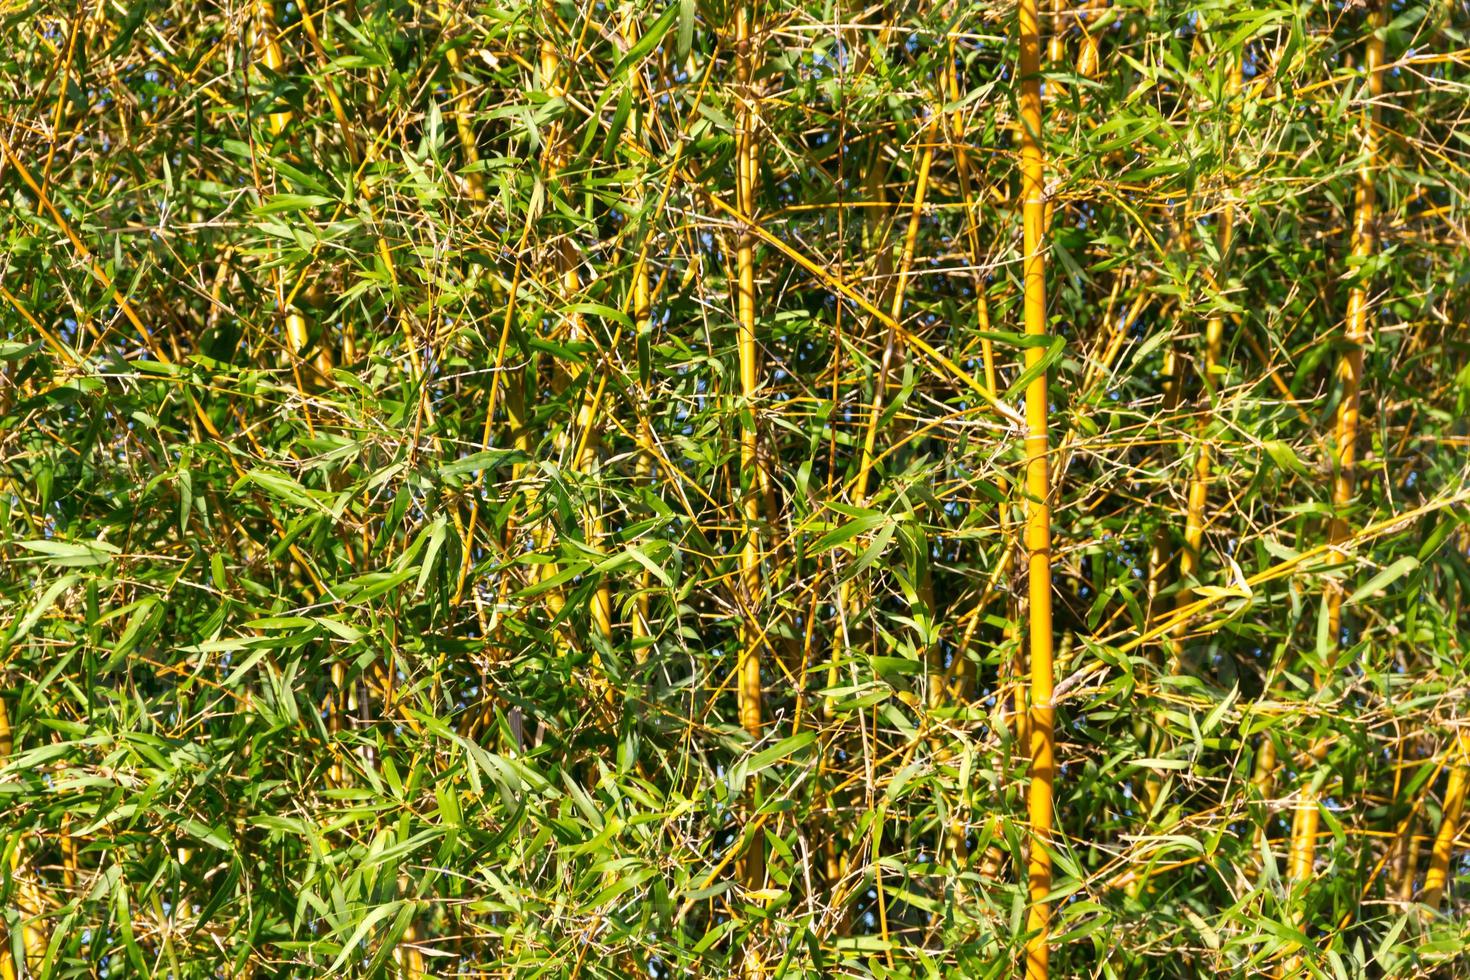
(72, 554)
(283, 487)
(1384, 579)
(645, 44)
(783, 749)
(42, 606)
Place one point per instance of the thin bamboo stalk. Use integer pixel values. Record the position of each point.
(1410, 871)
(298, 334)
(1305, 821)
(1037, 505)
(891, 349)
(1198, 494)
(1199, 484)
(1350, 368)
(579, 455)
(642, 319)
(643, 325)
(892, 352)
(1010, 671)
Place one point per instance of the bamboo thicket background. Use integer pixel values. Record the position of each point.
(541, 489)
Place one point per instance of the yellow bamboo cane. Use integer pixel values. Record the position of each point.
(1350, 368)
(745, 178)
(1449, 826)
(1305, 821)
(1038, 510)
(474, 181)
(34, 939)
(297, 334)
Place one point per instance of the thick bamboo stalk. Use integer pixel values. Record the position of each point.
(1037, 507)
(1449, 826)
(1088, 56)
(1056, 46)
(750, 684)
(1350, 368)
(271, 57)
(34, 939)
(474, 181)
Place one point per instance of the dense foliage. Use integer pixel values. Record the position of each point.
(423, 557)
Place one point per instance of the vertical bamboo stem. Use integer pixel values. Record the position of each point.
(1350, 368)
(895, 311)
(1306, 818)
(1199, 484)
(474, 181)
(1449, 826)
(34, 940)
(750, 685)
(298, 335)
(1037, 506)
(569, 284)
(752, 869)
(642, 319)
(1407, 861)
(1198, 495)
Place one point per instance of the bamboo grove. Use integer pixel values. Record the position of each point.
(735, 488)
